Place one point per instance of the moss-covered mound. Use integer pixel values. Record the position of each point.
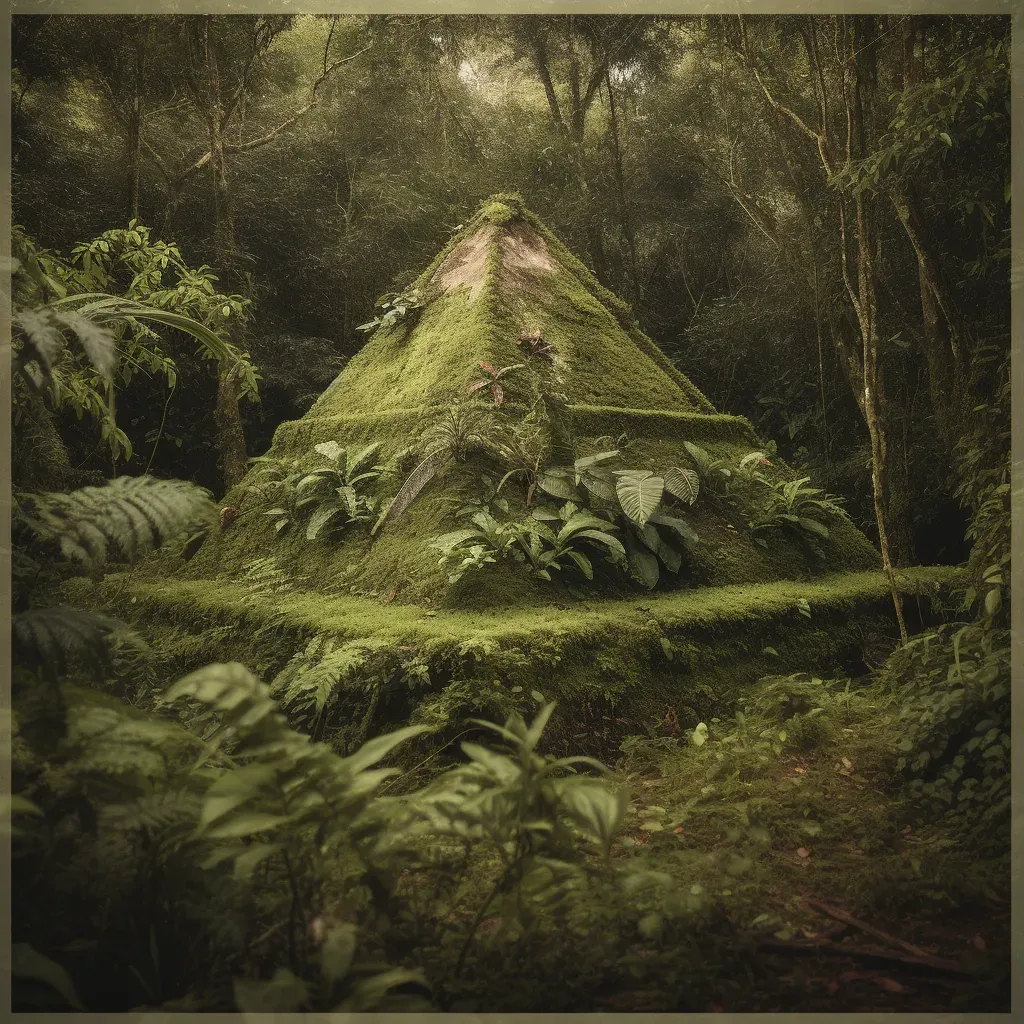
(364, 628)
(599, 384)
(357, 666)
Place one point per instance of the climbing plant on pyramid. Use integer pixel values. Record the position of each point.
(511, 490)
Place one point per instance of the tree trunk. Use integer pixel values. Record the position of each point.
(865, 302)
(627, 224)
(133, 142)
(230, 437)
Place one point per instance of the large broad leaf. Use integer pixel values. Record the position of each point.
(333, 451)
(601, 485)
(700, 457)
(596, 810)
(593, 460)
(410, 490)
(639, 494)
(284, 993)
(452, 540)
(583, 563)
(643, 565)
(376, 749)
(337, 951)
(106, 308)
(324, 515)
(681, 527)
(538, 725)
(581, 521)
(363, 459)
(683, 483)
(813, 526)
(670, 558)
(613, 544)
(559, 483)
(26, 962)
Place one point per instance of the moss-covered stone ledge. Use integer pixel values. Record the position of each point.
(636, 657)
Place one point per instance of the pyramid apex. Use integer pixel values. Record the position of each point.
(502, 208)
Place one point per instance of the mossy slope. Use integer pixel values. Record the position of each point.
(503, 274)
(634, 656)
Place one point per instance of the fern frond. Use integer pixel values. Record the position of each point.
(132, 514)
(52, 638)
(43, 341)
(311, 679)
(157, 812)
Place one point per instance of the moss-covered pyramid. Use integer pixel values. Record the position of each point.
(602, 385)
(585, 380)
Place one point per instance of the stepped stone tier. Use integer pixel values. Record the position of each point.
(435, 648)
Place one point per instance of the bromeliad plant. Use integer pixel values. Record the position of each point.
(493, 381)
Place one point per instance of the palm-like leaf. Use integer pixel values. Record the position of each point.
(414, 483)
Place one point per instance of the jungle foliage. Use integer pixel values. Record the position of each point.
(810, 216)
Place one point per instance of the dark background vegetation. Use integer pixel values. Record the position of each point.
(677, 156)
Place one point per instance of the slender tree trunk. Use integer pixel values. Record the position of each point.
(866, 304)
(230, 437)
(229, 426)
(134, 133)
(627, 224)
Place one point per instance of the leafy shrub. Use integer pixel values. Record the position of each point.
(327, 498)
(793, 505)
(544, 547)
(394, 306)
(634, 498)
(332, 490)
(955, 719)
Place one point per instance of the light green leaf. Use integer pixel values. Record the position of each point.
(639, 494)
(246, 824)
(683, 483)
(284, 993)
(337, 951)
(377, 749)
(330, 449)
(255, 853)
(558, 484)
(699, 736)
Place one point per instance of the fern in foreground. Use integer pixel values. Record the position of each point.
(133, 515)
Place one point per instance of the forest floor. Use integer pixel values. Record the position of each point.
(820, 886)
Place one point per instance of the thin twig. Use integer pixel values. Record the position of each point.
(822, 948)
(892, 940)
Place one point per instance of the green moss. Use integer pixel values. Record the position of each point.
(634, 656)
